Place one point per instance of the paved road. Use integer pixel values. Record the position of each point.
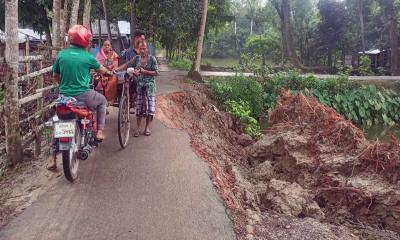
(157, 188)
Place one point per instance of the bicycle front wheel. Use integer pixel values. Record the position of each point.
(124, 123)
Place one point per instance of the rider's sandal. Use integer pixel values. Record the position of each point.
(51, 167)
(100, 136)
(147, 132)
(136, 134)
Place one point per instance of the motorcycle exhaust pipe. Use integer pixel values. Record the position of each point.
(83, 154)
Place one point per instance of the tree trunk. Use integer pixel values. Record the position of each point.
(99, 32)
(195, 72)
(11, 106)
(361, 15)
(63, 24)
(264, 60)
(291, 52)
(133, 19)
(74, 12)
(251, 26)
(56, 25)
(330, 58)
(49, 40)
(106, 18)
(87, 13)
(391, 16)
(121, 41)
(237, 44)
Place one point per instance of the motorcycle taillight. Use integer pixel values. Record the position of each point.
(65, 139)
(64, 112)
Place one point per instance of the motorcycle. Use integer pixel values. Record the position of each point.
(75, 129)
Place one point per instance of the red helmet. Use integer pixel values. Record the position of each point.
(79, 35)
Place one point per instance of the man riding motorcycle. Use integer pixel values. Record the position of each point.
(72, 70)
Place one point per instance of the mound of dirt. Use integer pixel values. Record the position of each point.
(256, 182)
(215, 137)
(314, 163)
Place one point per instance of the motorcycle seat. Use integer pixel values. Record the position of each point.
(81, 105)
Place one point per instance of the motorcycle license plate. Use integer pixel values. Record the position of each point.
(64, 129)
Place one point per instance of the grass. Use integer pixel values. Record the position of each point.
(184, 64)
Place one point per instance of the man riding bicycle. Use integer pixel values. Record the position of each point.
(72, 70)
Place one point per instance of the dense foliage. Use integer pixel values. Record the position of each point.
(364, 105)
(323, 31)
(1, 96)
(239, 89)
(242, 111)
(181, 64)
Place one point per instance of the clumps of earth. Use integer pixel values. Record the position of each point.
(313, 175)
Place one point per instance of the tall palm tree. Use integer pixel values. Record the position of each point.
(361, 16)
(87, 13)
(11, 106)
(390, 9)
(74, 12)
(284, 11)
(195, 72)
(56, 25)
(106, 18)
(64, 21)
(133, 18)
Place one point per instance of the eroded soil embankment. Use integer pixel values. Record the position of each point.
(312, 176)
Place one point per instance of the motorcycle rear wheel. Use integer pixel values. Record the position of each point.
(70, 159)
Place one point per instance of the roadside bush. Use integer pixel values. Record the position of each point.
(242, 111)
(238, 88)
(365, 66)
(183, 64)
(1, 96)
(365, 105)
(294, 81)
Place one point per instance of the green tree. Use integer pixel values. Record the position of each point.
(283, 8)
(331, 26)
(263, 46)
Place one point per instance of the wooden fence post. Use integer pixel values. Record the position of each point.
(27, 50)
(38, 120)
(11, 107)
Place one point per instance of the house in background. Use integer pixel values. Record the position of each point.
(25, 36)
(120, 40)
(380, 59)
(29, 41)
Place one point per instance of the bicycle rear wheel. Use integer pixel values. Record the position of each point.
(124, 123)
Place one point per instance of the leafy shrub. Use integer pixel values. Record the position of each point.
(183, 64)
(238, 88)
(294, 81)
(366, 105)
(365, 66)
(1, 96)
(241, 110)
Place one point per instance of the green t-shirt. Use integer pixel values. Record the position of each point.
(74, 65)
